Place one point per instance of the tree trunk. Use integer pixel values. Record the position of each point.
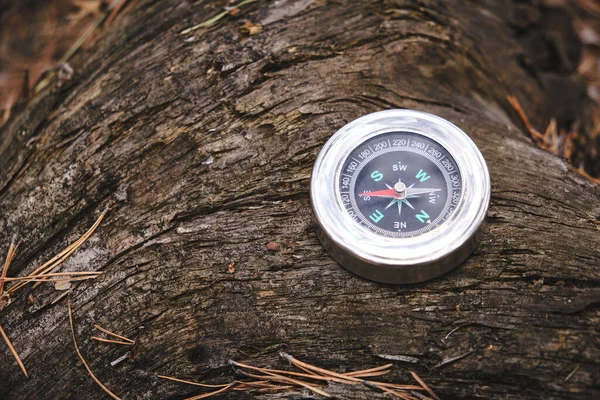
(147, 110)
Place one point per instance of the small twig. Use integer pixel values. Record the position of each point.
(111, 341)
(402, 358)
(101, 329)
(453, 359)
(427, 388)
(85, 364)
(453, 330)
(216, 18)
(13, 351)
(572, 373)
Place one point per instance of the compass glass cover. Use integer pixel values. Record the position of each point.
(400, 184)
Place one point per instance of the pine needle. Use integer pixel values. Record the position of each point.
(205, 395)
(285, 379)
(111, 341)
(30, 278)
(192, 383)
(216, 18)
(62, 296)
(101, 329)
(85, 364)
(269, 380)
(12, 250)
(364, 372)
(517, 106)
(427, 388)
(292, 373)
(62, 256)
(26, 279)
(299, 363)
(13, 351)
(400, 395)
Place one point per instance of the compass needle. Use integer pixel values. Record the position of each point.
(399, 209)
(430, 163)
(417, 191)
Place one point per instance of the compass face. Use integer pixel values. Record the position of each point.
(400, 184)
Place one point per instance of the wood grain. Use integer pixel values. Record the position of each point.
(145, 110)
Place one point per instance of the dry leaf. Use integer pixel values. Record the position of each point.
(251, 28)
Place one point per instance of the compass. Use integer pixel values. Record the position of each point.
(400, 196)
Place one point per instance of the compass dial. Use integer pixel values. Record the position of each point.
(400, 184)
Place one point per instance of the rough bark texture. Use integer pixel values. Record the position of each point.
(147, 107)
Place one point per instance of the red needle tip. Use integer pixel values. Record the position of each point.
(380, 193)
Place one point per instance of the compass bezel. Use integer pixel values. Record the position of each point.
(407, 259)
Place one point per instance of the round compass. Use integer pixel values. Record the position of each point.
(400, 196)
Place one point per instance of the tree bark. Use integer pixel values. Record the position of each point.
(148, 108)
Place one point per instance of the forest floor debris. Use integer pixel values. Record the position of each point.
(312, 378)
(560, 143)
(40, 275)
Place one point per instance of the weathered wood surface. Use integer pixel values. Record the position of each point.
(146, 107)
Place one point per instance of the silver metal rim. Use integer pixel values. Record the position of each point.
(398, 259)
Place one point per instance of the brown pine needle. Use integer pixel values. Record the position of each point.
(115, 8)
(193, 383)
(13, 351)
(85, 364)
(517, 106)
(298, 374)
(75, 246)
(360, 373)
(297, 362)
(62, 256)
(44, 279)
(52, 274)
(401, 395)
(582, 172)
(101, 329)
(205, 395)
(427, 388)
(12, 250)
(370, 374)
(395, 385)
(285, 379)
(62, 296)
(111, 341)
(270, 380)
